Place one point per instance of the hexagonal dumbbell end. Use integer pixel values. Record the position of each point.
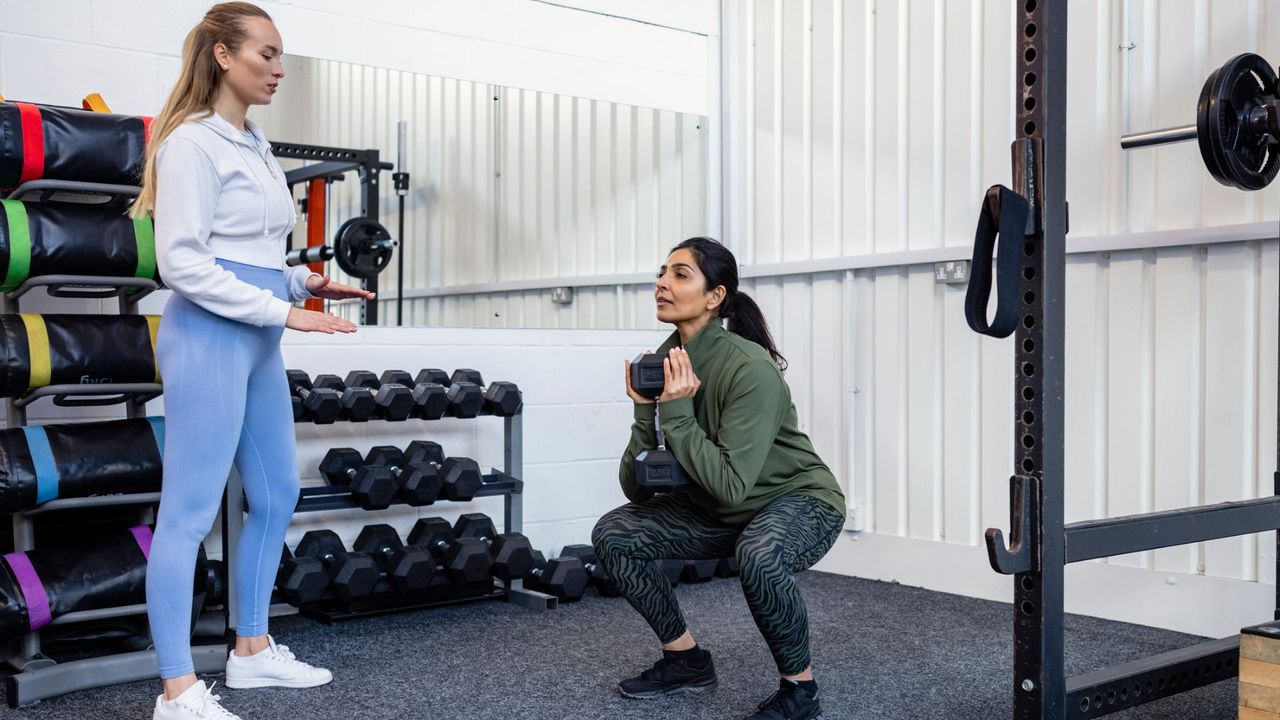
(431, 375)
(566, 578)
(465, 560)
(727, 567)
(595, 570)
(299, 414)
(387, 456)
(340, 465)
(396, 377)
(433, 533)
(301, 580)
(420, 484)
(362, 378)
(395, 402)
(424, 451)
(353, 575)
(373, 488)
(430, 401)
(408, 569)
(696, 571)
(465, 399)
(462, 478)
(512, 553)
(503, 398)
(467, 375)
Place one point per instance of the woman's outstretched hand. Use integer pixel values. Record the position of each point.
(312, 321)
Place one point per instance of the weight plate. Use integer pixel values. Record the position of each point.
(1237, 152)
(363, 247)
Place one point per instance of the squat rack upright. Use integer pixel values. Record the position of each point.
(1031, 276)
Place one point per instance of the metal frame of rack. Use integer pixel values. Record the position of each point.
(35, 675)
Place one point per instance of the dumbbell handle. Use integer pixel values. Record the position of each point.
(302, 256)
(1163, 136)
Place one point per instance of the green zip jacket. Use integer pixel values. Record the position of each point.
(737, 439)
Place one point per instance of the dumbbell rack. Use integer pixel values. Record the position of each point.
(505, 483)
(37, 676)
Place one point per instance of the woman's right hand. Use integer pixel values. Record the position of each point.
(636, 397)
(312, 321)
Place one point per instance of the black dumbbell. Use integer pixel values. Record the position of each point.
(466, 398)
(301, 580)
(591, 563)
(563, 577)
(417, 484)
(430, 399)
(727, 567)
(357, 403)
(215, 585)
(407, 568)
(299, 414)
(466, 560)
(392, 400)
(512, 554)
(372, 488)
(460, 477)
(500, 397)
(319, 406)
(351, 574)
(696, 571)
(672, 569)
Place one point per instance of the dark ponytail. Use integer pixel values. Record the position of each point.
(719, 267)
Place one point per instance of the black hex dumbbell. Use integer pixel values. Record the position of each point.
(299, 414)
(460, 477)
(672, 569)
(301, 580)
(372, 488)
(466, 398)
(430, 399)
(357, 403)
(318, 405)
(727, 567)
(391, 400)
(591, 563)
(351, 574)
(563, 577)
(417, 483)
(512, 554)
(408, 568)
(500, 398)
(466, 560)
(696, 571)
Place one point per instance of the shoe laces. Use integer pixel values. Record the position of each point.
(282, 652)
(208, 706)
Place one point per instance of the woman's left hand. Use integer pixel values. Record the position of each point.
(678, 377)
(324, 287)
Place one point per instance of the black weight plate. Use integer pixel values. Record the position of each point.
(363, 247)
(1236, 152)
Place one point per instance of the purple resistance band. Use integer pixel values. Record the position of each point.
(38, 613)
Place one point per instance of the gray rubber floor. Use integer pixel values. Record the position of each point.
(881, 651)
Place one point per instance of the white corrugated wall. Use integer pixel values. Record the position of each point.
(508, 185)
(865, 135)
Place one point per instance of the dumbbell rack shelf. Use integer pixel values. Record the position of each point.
(505, 483)
(35, 676)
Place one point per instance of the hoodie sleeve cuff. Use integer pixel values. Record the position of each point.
(277, 313)
(678, 408)
(644, 412)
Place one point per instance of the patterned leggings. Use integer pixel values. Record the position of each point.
(790, 534)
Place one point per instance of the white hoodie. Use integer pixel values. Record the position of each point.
(221, 194)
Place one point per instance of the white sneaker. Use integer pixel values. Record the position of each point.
(195, 703)
(273, 667)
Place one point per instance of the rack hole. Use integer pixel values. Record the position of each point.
(1029, 321)
(1029, 128)
(1028, 297)
(1029, 249)
(1029, 55)
(1028, 583)
(1031, 6)
(1028, 369)
(1029, 30)
(1028, 394)
(1028, 345)
(1028, 465)
(1028, 418)
(1028, 442)
(1028, 273)
(1028, 607)
(1029, 104)
(1029, 79)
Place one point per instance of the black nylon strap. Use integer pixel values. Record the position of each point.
(1004, 216)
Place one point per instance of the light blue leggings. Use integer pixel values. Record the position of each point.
(225, 399)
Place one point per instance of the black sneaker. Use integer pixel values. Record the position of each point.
(791, 702)
(672, 675)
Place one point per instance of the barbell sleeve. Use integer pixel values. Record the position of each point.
(1164, 136)
(315, 253)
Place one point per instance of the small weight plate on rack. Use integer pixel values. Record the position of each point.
(1238, 150)
(363, 247)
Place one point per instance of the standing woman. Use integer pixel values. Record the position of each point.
(222, 211)
(757, 490)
